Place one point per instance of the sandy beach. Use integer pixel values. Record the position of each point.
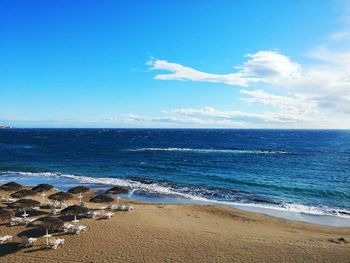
(184, 233)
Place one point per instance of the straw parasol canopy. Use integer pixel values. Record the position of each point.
(24, 204)
(104, 198)
(11, 186)
(48, 223)
(23, 193)
(79, 190)
(75, 210)
(42, 188)
(61, 196)
(116, 190)
(6, 215)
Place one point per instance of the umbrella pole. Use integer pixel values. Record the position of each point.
(47, 238)
(43, 197)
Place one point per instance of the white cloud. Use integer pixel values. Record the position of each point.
(172, 118)
(284, 110)
(325, 81)
(292, 110)
(296, 108)
(263, 66)
(340, 36)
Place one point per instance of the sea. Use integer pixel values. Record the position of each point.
(293, 174)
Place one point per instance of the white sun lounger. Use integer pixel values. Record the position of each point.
(27, 241)
(108, 215)
(126, 207)
(76, 229)
(67, 227)
(55, 211)
(93, 214)
(17, 221)
(5, 238)
(55, 242)
(5, 199)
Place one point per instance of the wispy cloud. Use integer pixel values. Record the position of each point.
(263, 66)
(284, 110)
(325, 81)
(340, 36)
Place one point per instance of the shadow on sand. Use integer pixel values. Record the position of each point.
(8, 248)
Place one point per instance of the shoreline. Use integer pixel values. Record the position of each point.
(184, 233)
(323, 220)
(274, 211)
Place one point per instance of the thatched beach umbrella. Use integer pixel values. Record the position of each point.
(104, 198)
(23, 193)
(42, 188)
(61, 197)
(11, 186)
(117, 190)
(24, 204)
(6, 215)
(79, 190)
(75, 210)
(48, 223)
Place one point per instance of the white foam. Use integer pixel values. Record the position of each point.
(164, 190)
(135, 185)
(209, 150)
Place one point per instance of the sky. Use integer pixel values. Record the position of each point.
(175, 64)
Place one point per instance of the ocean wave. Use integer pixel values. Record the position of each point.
(135, 185)
(235, 151)
(197, 195)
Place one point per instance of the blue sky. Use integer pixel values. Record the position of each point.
(230, 64)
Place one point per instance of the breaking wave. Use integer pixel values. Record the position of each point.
(200, 195)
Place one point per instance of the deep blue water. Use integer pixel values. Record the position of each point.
(296, 170)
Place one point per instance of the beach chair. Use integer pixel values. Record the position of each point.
(125, 207)
(93, 214)
(108, 215)
(5, 238)
(5, 199)
(76, 229)
(55, 211)
(54, 204)
(55, 242)
(113, 207)
(67, 227)
(17, 221)
(27, 241)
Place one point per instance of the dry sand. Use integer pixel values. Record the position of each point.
(185, 233)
